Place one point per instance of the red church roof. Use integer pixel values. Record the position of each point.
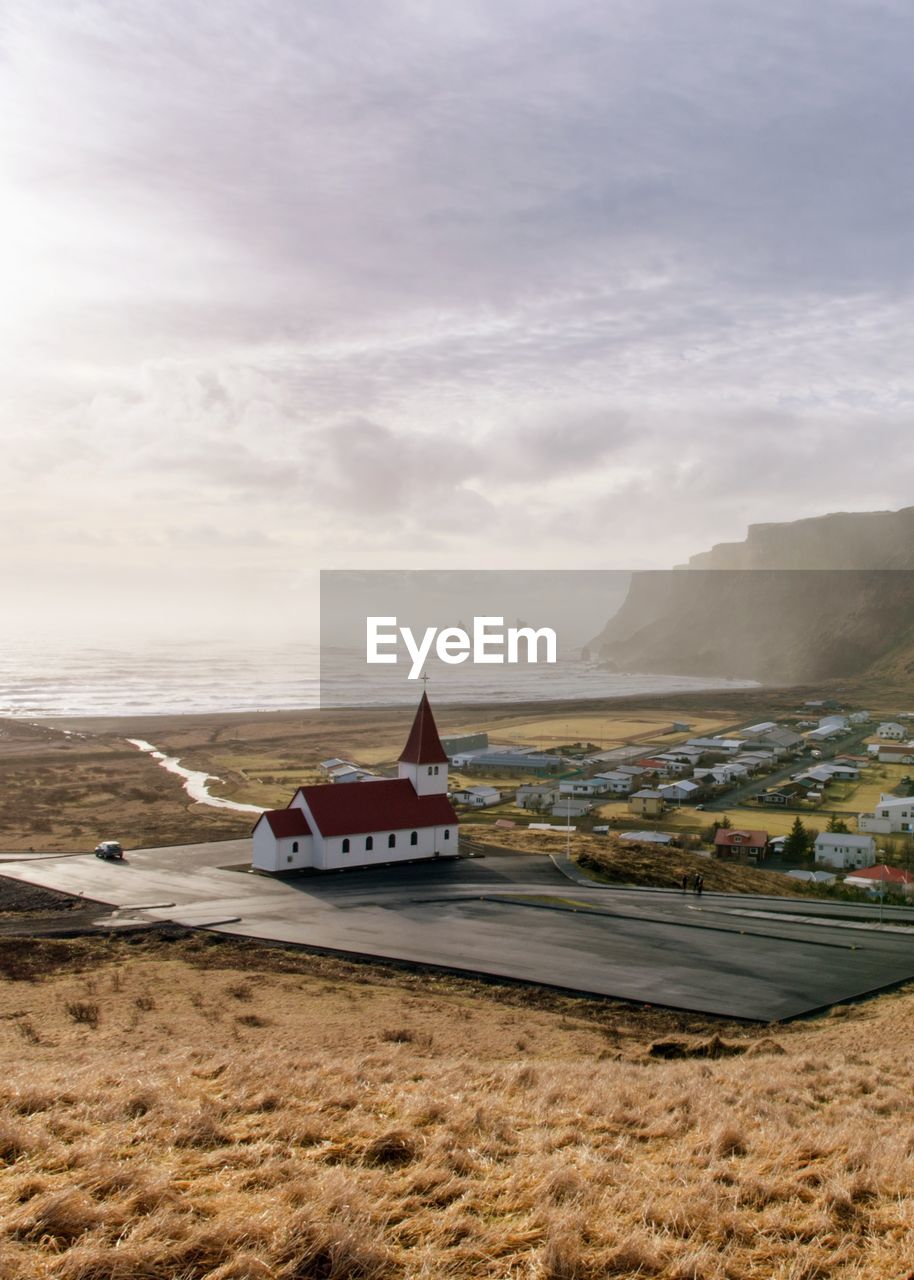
(423, 746)
(285, 822)
(388, 805)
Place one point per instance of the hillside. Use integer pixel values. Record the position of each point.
(632, 862)
(209, 1110)
(810, 601)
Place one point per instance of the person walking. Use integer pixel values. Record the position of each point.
(699, 884)
(685, 883)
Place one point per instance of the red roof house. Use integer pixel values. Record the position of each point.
(892, 879)
(740, 842)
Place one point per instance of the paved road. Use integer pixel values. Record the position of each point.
(518, 916)
(746, 790)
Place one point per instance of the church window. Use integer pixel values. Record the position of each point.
(414, 838)
(346, 844)
(295, 846)
(369, 843)
(391, 841)
(436, 770)
(447, 833)
(430, 770)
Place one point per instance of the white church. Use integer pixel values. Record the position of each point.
(328, 826)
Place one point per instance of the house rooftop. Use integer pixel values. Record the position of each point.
(724, 835)
(845, 838)
(883, 872)
(285, 822)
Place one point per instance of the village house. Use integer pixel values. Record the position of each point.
(658, 768)
(726, 746)
(893, 814)
(787, 793)
(646, 803)
(681, 791)
(756, 761)
(881, 879)
(328, 827)
(781, 741)
(721, 774)
(676, 766)
(740, 844)
(477, 797)
(688, 755)
(892, 730)
(616, 782)
(351, 773)
(536, 795)
(583, 787)
(823, 734)
(896, 753)
(838, 849)
(837, 722)
(571, 807)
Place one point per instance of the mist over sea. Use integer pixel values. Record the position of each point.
(54, 677)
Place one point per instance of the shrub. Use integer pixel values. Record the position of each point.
(85, 1012)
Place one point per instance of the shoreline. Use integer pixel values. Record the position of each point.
(694, 699)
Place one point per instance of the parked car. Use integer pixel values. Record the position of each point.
(110, 850)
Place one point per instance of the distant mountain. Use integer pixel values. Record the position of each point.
(803, 602)
(843, 540)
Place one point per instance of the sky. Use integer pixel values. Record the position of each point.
(514, 284)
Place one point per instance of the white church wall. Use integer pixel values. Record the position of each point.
(285, 853)
(429, 842)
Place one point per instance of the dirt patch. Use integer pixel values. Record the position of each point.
(18, 898)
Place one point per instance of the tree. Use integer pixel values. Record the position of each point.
(836, 824)
(797, 843)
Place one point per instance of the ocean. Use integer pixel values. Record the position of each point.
(60, 678)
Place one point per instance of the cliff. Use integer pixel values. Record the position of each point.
(796, 603)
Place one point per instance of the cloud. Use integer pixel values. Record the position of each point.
(399, 284)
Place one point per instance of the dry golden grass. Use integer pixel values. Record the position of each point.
(609, 728)
(615, 861)
(376, 1125)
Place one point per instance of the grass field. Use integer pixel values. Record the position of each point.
(193, 1110)
(64, 791)
(608, 730)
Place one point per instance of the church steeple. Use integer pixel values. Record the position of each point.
(423, 760)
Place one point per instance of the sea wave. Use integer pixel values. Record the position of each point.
(40, 681)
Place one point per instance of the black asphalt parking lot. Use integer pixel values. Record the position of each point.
(518, 916)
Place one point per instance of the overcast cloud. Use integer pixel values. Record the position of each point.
(506, 284)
